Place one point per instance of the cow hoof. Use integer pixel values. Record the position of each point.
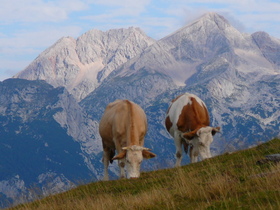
(133, 178)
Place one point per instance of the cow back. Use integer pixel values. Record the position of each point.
(123, 121)
(187, 112)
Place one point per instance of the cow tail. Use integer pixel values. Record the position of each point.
(186, 146)
(112, 154)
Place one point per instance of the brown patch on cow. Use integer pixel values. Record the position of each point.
(193, 116)
(168, 123)
(122, 164)
(178, 155)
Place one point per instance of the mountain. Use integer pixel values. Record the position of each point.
(236, 74)
(80, 65)
(43, 146)
(212, 59)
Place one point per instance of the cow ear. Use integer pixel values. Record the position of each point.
(198, 132)
(147, 155)
(190, 135)
(215, 130)
(119, 156)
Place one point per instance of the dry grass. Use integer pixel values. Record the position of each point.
(226, 182)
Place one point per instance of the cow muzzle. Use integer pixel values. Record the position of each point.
(133, 177)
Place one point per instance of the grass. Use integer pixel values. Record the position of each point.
(229, 181)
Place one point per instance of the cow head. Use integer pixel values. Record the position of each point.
(134, 156)
(201, 139)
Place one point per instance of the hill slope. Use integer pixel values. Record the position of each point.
(224, 182)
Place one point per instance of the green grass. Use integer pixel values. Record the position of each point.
(229, 181)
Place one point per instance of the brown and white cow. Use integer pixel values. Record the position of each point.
(188, 123)
(123, 127)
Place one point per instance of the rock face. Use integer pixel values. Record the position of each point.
(81, 65)
(46, 141)
(237, 75)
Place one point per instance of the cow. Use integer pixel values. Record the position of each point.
(123, 127)
(187, 120)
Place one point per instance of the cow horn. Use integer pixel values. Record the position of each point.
(215, 130)
(147, 149)
(125, 148)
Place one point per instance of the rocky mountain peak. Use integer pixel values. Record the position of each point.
(207, 23)
(262, 38)
(81, 65)
(269, 46)
(218, 19)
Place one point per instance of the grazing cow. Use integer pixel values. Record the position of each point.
(123, 127)
(188, 123)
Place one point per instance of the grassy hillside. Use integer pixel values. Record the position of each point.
(229, 181)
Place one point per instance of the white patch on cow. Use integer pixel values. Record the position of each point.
(201, 143)
(134, 159)
(133, 162)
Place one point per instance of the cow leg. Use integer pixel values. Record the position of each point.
(121, 162)
(178, 144)
(193, 153)
(121, 166)
(106, 159)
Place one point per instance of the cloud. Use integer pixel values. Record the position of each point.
(37, 38)
(38, 10)
(9, 68)
(111, 10)
(121, 3)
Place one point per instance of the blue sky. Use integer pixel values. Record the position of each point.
(28, 27)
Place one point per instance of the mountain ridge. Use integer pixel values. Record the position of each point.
(81, 64)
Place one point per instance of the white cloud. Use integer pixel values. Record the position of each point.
(37, 38)
(9, 68)
(113, 10)
(38, 10)
(121, 3)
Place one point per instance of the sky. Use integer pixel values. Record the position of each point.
(28, 27)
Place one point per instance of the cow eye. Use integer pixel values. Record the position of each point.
(201, 144)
